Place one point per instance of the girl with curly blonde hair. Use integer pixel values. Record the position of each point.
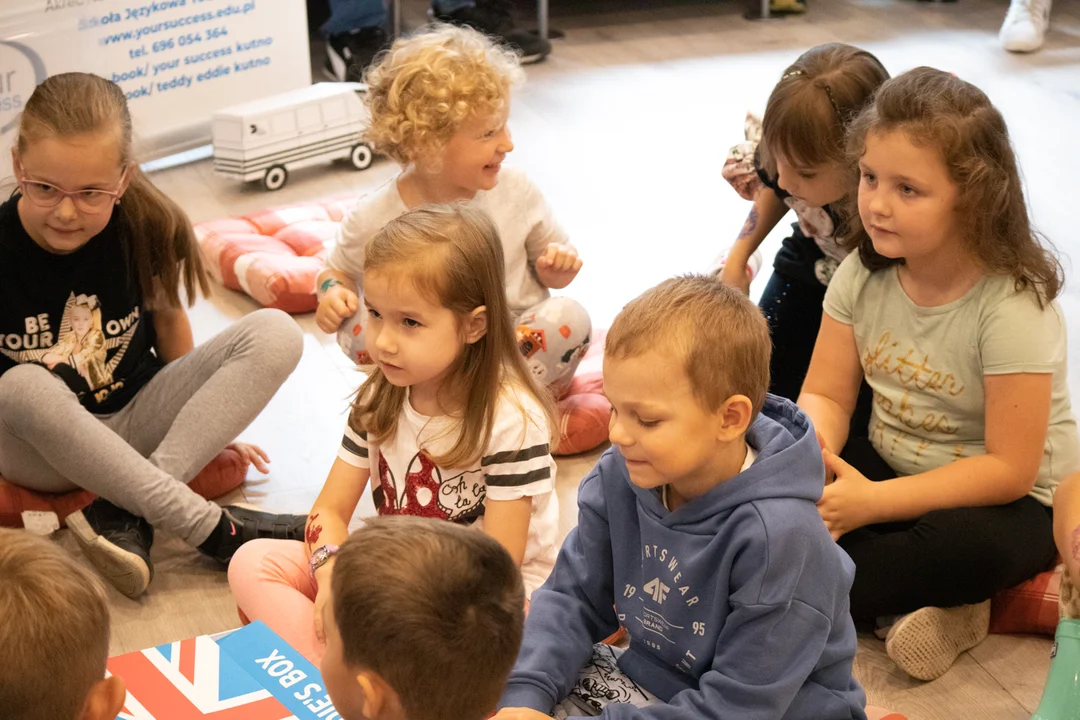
(439, 103)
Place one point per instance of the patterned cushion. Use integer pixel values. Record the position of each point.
(1030, 607)
(225, 473)
(274, 255)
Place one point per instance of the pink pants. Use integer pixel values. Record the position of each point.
(271, 582)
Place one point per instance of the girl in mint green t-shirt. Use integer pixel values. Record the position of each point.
(948, 312)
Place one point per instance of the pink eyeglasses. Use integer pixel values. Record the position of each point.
(90, 202)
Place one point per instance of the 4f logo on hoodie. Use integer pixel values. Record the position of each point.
(658, 590)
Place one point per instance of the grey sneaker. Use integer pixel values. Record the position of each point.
(117, 543)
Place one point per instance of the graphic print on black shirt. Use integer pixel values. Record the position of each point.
(80, 315)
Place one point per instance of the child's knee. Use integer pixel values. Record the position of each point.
(261, 561)
(31, 387)
(279, 336)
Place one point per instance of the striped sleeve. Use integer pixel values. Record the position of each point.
(518, 462)
(354, 448)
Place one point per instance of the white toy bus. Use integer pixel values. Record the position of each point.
(266, 139)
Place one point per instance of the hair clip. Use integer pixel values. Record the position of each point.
(828, 91)
(793, 73)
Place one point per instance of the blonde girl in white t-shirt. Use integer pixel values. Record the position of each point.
(450, 424)
(439, 103)
(947, 310)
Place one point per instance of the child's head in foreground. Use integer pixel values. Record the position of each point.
(425, 621)
(440, 99)
(54, 635)
(686, 368)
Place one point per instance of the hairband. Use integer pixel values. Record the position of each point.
(828, 91)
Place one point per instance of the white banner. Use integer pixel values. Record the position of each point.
(177, 60)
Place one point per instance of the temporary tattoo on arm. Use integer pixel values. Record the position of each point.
(751, 223)
(327, 284)
(1076, 543)
(311, 535)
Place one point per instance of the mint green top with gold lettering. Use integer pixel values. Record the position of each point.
(926, 366)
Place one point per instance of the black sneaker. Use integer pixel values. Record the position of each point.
(492, 17)
(349, 54)
(240, 524)
(117, 543)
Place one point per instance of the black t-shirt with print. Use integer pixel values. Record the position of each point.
(81, 315)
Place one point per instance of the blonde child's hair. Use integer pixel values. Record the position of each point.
(453, 256)
(426, 85)
(816, 99)
(157, 235)
(441, 623)
(721, 336)
(55, 630)
(955, 119)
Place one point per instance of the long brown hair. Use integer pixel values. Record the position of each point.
(938, 110)
(452, 254)
(157, 234)
(817, 97)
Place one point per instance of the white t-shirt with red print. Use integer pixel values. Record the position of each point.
(516, 463)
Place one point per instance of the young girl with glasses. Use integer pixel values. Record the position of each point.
(101, 386)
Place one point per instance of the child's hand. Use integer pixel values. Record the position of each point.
(252, 454)
(848, 503)
(519, 714)
(735, 275)
(558, 266)
(338, 304)
(322, 596)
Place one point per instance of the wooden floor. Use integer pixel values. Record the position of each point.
(625, 128)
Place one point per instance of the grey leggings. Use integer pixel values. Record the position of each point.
(142, 456)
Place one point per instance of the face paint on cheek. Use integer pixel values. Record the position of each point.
(1076, 543)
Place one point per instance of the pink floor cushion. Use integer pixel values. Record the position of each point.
(225, 473)
(584, 411)
(274, 255)
(1032, 607)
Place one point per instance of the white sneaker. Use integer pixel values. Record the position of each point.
(1025, 25)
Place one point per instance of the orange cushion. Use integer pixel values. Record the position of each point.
(877, 713)
(584, 412)
(225, 473)
(1030, 607)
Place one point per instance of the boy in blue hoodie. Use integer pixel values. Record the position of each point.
(698, 532)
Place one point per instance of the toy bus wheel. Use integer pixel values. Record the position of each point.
(275, 178)
(361, 157)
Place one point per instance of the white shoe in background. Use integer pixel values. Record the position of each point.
(1025, 25)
